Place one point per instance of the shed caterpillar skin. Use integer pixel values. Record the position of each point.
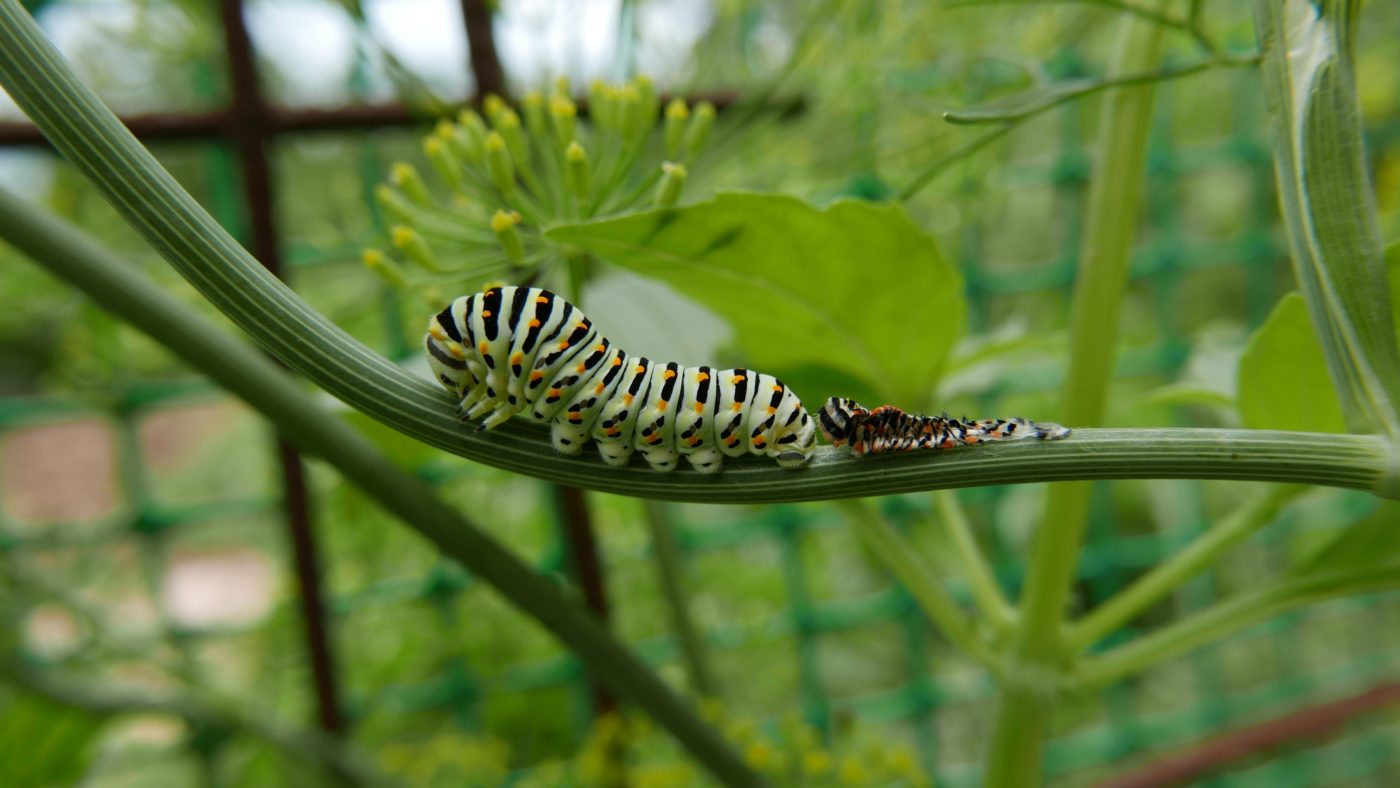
(888, 429)
(512, 350)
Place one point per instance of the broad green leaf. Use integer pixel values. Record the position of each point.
(857, 287)
(1327, 201)
(1372, 543)
(1392, 266)
(1283, 381)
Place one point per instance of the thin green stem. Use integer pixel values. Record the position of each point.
(917, 578)
(926, 176)
(1230, 616)
(1200, 555)
(248, 374)
(1024, 712)
(985, 589)
(1052, 96)
(670, 570)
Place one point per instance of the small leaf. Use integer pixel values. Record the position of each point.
(857, 287)
(46, 743)
(1283, 380)
(1372, 542)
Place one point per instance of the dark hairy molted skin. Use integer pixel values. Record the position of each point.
(888, 429)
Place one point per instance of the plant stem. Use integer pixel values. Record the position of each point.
(1249, 517)
(900, 558)
(1024, 712)
(96, 143)
(1096, 672)
(980, 579)
(670, 569)
(236, 366)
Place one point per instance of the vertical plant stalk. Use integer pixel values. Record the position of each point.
(1328, 205)
(670, 570)
(980, 578)
(895, 552)
(1115, 193)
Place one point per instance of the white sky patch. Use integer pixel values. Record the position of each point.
(667, 31)
(429, 38)
(310, 44)
(542, 39)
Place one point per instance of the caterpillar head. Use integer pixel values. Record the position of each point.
(838, 419)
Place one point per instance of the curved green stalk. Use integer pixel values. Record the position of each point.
(980, 579)
(97, 144)
(248, 374)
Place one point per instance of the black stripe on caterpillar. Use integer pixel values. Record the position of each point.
(512, 350)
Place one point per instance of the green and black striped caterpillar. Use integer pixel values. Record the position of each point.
(511, 350)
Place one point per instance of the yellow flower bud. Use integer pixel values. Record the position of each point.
(508, 124)
(503, 225)
(404, 176)
(412, 246)
(701, 123)
(394, 205)
(444, 163)
(533, 106)
(499, 164)
(473, 134)
(672, 180)
(387, 269)
(677, 113)
(576, 170)
(492, 105)
(562, 114)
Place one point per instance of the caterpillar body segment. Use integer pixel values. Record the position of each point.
(517, 350)
(888, 429)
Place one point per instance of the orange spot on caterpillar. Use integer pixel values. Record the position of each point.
(701, 377)
(732, 441)
(759, 442)
(599, 348)
(580, 324)
(457, 350)
(582, 367)
(626, 399)
(542, 300)
(661, 405)
(536, 375)
(777, 388)
(738, 406)
(598, 389)
(639, 369)
(517, 358)
(485, 313)
(670, 373)
(772, 409)
(617, 362)
(699, 407)
(576, 417)
(485, 348)
(554, 392)
(737, 379)
(693, 440)
(534, 323)
(564, 345)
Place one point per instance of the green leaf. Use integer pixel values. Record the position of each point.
(1392, 266)
(856, 287)
(1283, 381)
(1373, 542)
(50, 744)
(1328, 205)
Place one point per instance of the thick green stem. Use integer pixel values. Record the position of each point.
(923, 584)
(249, 375)
(1114, 196)
(985, 589)
(1200, 555)
(96, 143)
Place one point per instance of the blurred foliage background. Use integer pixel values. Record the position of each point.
(141, 530)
